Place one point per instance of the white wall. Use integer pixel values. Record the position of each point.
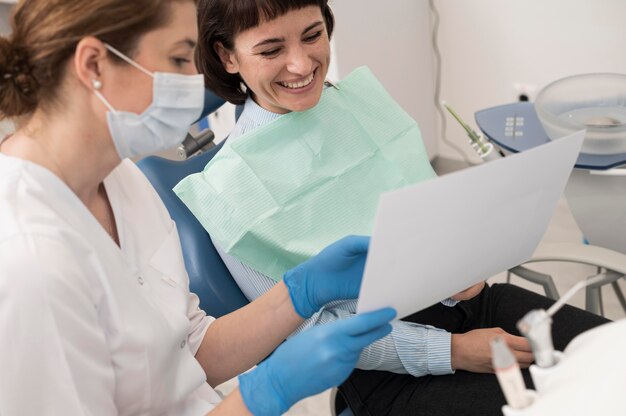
(489, 45)
(393, 38)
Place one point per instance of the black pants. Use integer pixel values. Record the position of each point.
(376, 393)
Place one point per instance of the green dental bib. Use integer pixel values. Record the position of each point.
(277, 195)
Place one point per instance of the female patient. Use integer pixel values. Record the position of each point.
(272, 56)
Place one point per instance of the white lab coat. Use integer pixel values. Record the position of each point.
(87, 328)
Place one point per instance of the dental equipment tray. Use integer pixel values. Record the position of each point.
(516, 127)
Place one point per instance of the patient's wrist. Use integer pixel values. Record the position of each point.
(456, 352)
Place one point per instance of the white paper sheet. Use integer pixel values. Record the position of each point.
(441, 236)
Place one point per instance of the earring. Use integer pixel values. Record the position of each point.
(96, 84)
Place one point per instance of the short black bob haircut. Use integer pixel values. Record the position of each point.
(222, 20)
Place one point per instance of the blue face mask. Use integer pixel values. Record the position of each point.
(177, 103)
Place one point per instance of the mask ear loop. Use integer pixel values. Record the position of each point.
(128, 60)
(97, 85)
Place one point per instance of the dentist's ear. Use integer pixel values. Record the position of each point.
(89, 58)
(228, 58)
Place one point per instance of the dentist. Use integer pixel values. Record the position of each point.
(96, 315)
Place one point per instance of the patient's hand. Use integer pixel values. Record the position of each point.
(471, 351)
(470, 292)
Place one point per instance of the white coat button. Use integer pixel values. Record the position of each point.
(140, 280)
(182, 344)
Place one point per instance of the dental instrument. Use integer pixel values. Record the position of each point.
(536, 325)
(509, 374)
(484, 149)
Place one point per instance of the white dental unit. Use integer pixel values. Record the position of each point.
(590, 377)
(596, 192)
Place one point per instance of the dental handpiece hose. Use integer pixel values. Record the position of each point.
(509, 374)
(536, 326)
(580, 285)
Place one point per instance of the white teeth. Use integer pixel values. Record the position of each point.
(301, 84)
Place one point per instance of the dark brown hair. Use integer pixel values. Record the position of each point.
(46, 33)
(221, 20)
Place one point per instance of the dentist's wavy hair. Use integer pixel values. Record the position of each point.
(44, 37)
(221, 21)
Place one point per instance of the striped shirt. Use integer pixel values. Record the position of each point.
(410, 348)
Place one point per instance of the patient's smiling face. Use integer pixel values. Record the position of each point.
(283, 61)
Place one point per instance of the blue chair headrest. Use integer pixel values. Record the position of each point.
(211, 103)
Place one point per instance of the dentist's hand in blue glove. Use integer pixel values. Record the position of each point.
(335, 273)
(311, 362)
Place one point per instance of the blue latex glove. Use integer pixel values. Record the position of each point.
(311, 362)
(335, 273)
